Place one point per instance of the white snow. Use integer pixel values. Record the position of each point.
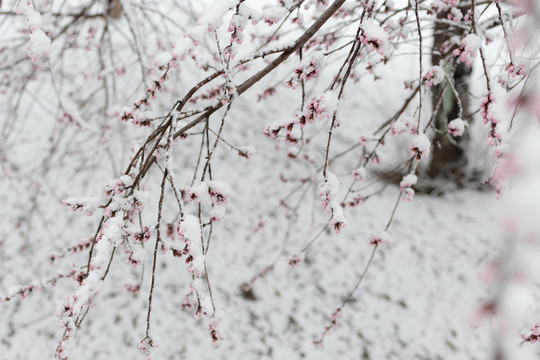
(421, 146)
(456, 127)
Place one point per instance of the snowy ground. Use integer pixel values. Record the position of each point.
(416, 302)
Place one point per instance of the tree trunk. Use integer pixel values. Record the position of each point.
(449, 155)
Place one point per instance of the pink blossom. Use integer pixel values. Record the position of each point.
(468, 49)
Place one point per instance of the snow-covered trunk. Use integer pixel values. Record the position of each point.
(448, 155)
(114, 8)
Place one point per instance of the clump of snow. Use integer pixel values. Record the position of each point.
(400, 126)
(469, 46)
(213, 16)
(408, 181)
(86, 205)
(374, 37)
(421, 146)
(189, 231)
(148, 347)
(273, 14)
(308, 68)
(359, 174)
(434, 76)
(217, 334)
(322, 107)
(455, 14)
(39, 45)
(406, 186)
(456, 127)
(110, 236)
(328, 193)
(162, 59)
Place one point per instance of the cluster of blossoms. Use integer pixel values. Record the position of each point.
(147, 346)
(133, 240)
(216, 332)
(308, 69)
(121, 202)
(23, 291)
(357, 200)
(72, 308)
(212, 92)
(487, 101)
(377, 240)
(326, 41)
(434, 76)
(359, 174)
(468, 48)
(236, 27)
(534, 337)
(273, 14)
(437, 6)
(120, 196)
(328, 193)
(516, 68)
(451, 3)
(86, 205)
(228, 91)
(455, 15)
(141, 236)
(420, 147)
(294, 261)
(117, 197)
(363, 141)
(83, 245)
(212, 196)
(405, 186)
(316, 110)
(456, 127)
(333, 324)
(135, 114)
(164, 62)
(170, 60)
(246, 151)
(135, 255)
(189, 244)
(443, 5)
(374, 37)
(373, 157)
(219, 193)
(205, 308)
(495, 131)
(156, 85)
(403, 125)
(133, 289)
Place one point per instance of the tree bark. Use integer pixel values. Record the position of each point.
(449, 156)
